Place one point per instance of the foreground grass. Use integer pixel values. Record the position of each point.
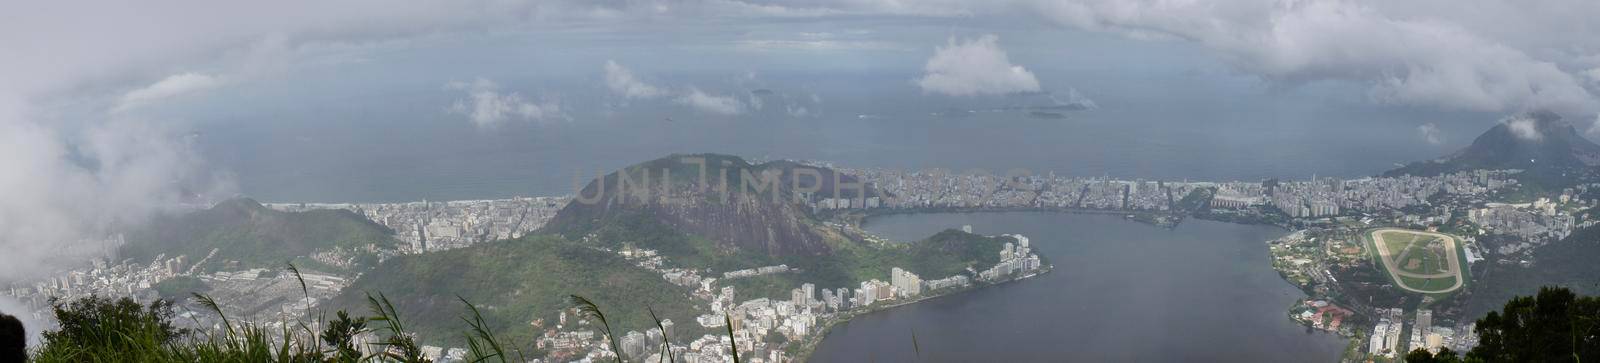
(97, 329)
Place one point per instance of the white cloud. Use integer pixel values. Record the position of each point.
(974, 67)
(797, 111)
(487, 107)
(622, 82)
(1524, 127)
(1075, 98)
(1410, 55)
(1430, 133)
(172, 86)
(56, 210)
(721, 105)
(814, 45)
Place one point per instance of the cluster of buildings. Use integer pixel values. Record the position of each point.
(1330, 196)
(755, 322)
(1387, 336)
(752, 272)
(270, 296)
(942, 189)
(1537, 222)
(1300, 199)
(1323, 315)
(433, 226)
(259, 295)
(1426, 335)
(1238, 195)
(1015, 259)
(256, 294)
(101, 278)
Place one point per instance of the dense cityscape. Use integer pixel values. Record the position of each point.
(1322, 214)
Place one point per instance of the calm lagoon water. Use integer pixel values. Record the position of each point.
(1121, 291)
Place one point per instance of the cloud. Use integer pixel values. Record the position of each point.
(622, 82)
(1422, 55)
(1075, 98)
(814, 45)
(974, 67)
(172, 86)
(486, 107)
(56, 189)
(721, 105)
(60, 202)
(1430, 133)
(1524, 127)
(797, 111)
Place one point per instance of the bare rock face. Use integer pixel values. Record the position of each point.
(763, 209)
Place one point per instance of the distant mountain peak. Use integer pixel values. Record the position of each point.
(1538, 141)
(1534, 126)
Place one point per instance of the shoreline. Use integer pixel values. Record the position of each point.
(1170, 219)
(807, 347)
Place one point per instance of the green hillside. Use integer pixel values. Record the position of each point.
(515, 282)
(244, 231)
(704, 229)
(942, 255)
(1568, 263)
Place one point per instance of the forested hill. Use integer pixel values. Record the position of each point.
(247, 234)
(516, 283)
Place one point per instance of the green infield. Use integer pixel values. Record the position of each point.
(1419, 261)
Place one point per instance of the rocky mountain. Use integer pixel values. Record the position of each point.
(1545, 146)
(735, 206)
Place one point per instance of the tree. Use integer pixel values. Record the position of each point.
(94, 325)
(1423, 356)
(1553, 326)
(341, 336)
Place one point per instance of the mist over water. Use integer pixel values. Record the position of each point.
(1120, 292)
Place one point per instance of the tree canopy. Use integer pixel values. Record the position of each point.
(1554, 326)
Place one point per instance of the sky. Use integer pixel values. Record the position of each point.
(100, 100)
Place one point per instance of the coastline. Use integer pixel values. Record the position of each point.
(802, 351)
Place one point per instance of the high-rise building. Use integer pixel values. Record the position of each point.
(798, 298)
(633, 345)
(907, 283)
(810, 292)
